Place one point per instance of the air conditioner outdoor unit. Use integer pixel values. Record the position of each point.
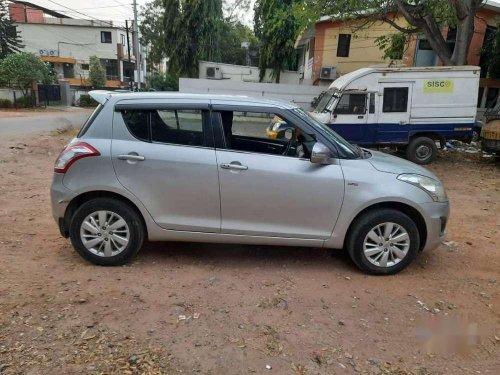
(328, 72)
(214, 72)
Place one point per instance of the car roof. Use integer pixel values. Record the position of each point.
(102, 96)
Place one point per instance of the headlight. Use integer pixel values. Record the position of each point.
(432, 187)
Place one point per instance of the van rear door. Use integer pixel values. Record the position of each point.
(394, 109)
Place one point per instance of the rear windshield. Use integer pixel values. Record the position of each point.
(89, 121)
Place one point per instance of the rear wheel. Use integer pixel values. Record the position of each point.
(383, 242)
(106, 232)
(422, 150)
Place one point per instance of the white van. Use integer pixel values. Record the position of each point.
(409, 108)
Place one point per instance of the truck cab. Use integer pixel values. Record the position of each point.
(406, 108)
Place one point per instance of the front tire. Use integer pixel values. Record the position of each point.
(383, 242)
(106, 232)
(422, 150)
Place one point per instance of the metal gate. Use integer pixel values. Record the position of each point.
(49, 93)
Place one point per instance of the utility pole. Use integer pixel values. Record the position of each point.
(137, 50)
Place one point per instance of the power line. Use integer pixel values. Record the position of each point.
(85, 15)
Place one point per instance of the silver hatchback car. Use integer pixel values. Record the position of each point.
(182, 167)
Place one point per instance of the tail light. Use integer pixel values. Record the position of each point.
(72, 153)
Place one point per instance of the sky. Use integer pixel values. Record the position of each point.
(115, 10)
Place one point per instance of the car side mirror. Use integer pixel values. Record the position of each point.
(320, 154)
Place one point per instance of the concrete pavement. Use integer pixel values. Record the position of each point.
(36, 122)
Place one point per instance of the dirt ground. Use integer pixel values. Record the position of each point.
(224, 309)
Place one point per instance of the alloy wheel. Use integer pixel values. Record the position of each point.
(386, 244)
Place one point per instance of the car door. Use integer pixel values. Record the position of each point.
(163, 153)
(266, 193)
(394, 112)
(349, 117)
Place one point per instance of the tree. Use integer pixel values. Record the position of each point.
(97, 73)
(276, 26)
(21, 70)
(191, 30)
(10, 41)
(491, 54)
(392, 45)
(422, 16)
(163, 82)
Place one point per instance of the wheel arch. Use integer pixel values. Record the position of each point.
(428, 134)
(408, 210)
(80, 199)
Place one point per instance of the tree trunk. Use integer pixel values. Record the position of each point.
(278, 76)
(466, 11)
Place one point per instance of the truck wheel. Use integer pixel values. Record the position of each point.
(422, 150)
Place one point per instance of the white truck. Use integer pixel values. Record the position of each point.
(407, 108)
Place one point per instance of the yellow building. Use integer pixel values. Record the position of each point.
(334, 47)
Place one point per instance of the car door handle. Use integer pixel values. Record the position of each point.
(234, 166)
(131, 157)
(360, 117)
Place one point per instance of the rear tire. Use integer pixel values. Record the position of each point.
(422, 150)
(106, 232)
(397, 250)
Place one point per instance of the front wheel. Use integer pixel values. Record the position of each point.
(383, 242)
(106, 232)
(422, 150)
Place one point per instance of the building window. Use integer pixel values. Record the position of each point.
(106, 37)
(85, 66)
(395, 99)
(123, 40)
(344, 45)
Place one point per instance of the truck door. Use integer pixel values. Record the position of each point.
(349, 117)
(394, 109)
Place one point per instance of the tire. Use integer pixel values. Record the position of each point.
(358, 240)
(422, 150)
(112, 250)
(476, 135)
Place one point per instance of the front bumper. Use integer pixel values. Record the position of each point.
(436, 218)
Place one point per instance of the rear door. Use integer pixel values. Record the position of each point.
(394, 110)
(163, 153)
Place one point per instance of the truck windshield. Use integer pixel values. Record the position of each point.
(326, 99)
(347, 149)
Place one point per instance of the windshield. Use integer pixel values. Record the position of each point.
(346, 148)
(325, 101)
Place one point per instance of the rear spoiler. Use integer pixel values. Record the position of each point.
(100, 96)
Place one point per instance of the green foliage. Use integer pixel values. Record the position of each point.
(277, 27)
(392, 45)
(5, 103)
(22, 69)
(490, 54)
(25, 101)
(97, 73)
(163, 82)
(10, 41)
(188, 31)
(87, 101)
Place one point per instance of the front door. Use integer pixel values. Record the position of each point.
(394, 112)
(166, 159)
(268, 186)
(349, 117)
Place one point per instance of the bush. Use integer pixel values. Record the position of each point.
(25, 101)
(5, 103)
(87, 101)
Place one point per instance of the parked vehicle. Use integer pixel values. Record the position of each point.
(407, 108)
(490, 132)
(180, 167)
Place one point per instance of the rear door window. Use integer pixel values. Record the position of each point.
(137, 122)
(395, 99)
(181, 127)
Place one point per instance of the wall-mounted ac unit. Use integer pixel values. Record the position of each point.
(214, 72)
(328, 72)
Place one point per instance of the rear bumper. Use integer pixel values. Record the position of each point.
(436, 218)
(60, 196)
